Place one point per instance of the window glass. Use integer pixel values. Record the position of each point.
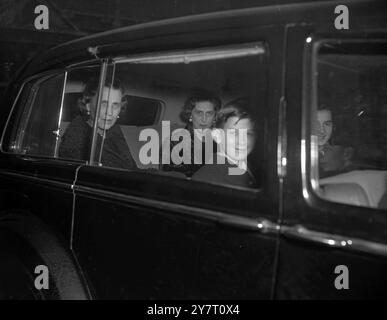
(12, 142)
(211, 127)
(76, 122)
(140, 111)
(35, 129)
(54, 116)
(349, 135)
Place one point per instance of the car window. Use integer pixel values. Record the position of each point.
(52, 115)
(140, 111)
(349, 133)
(212, 123)
(35, 125)
(75, 124)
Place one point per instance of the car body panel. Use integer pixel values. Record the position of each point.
(307, 265)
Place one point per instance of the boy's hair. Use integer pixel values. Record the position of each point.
(90, 91)
(91, 87)
(235, 108)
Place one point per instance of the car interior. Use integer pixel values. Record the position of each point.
(157, 92)
(353, 86)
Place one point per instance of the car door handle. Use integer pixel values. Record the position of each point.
(332, 240)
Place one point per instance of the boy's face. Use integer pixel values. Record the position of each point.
(325, 126)
(240, 138)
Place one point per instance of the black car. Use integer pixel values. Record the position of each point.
(91, 207)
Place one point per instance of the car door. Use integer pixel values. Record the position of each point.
(153, 234)
(36, 176)
(333, 243)
(36, 194)
(33, 178)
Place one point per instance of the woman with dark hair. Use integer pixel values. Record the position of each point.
(199, 114)
(76, 142)
(235, 136)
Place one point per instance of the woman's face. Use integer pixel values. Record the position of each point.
(203, 114)
(240, 137)
(110, 107)
(325, 126)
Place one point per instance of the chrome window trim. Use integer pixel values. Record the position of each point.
(83, 64)
(334, 240)
(102, 80)
(23, 176)
(237, 188)
(198, 54)
(57, 133)
(256, 224)
(309, 64)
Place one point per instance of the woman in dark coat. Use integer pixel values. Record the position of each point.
(199, 112)
(76, 142)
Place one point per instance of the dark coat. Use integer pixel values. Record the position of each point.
(219, 173)
(334, 159)
(76, 144)
(189, 168)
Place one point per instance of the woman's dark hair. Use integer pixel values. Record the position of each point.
(236, 108)
(198, 95)
(90, 91)
(91, 87)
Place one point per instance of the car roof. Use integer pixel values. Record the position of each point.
(78, 50)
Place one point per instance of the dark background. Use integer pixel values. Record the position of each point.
(70, 19)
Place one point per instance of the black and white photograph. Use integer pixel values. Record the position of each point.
(209, 152)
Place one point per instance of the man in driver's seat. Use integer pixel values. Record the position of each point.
(333, 159)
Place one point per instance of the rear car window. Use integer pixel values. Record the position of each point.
(140, 111)
(349, 133)
(35, 121)
(43, 112)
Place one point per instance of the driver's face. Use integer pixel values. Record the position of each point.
(325, 126)
(240, 137)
